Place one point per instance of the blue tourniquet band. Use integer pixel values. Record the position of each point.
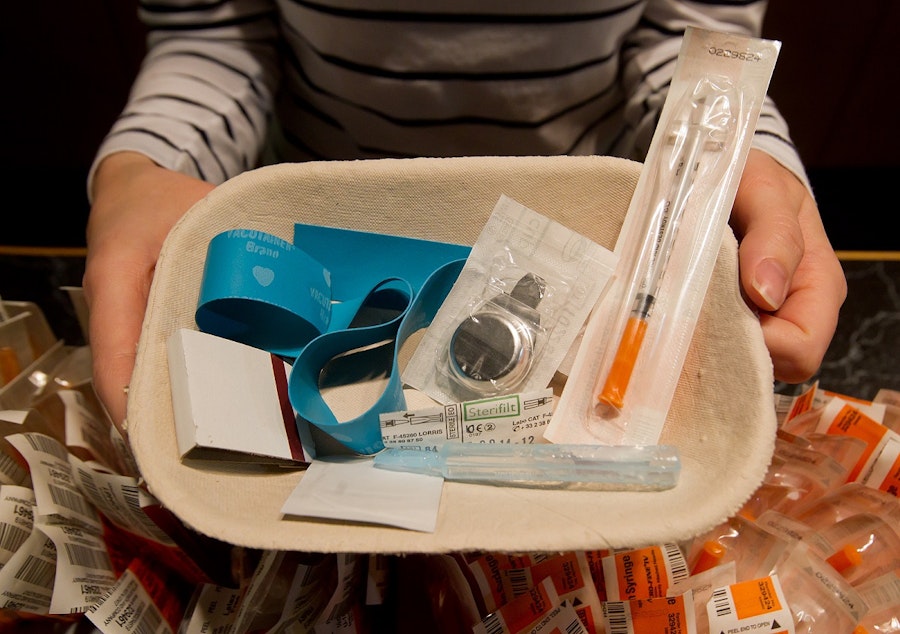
(263, 291)
(303, 301)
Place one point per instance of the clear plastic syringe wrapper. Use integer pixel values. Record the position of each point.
(624, 376)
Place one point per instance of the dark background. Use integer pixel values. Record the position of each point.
(67, 67)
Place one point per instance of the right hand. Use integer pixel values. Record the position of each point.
(136, 204)
(788, 268)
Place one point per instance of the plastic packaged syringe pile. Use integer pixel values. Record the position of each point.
(83, 545)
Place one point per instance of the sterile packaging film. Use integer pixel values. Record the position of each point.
(631, 358)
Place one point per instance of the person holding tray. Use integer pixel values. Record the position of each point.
(229, 86)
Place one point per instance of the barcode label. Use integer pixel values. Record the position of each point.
(751, 605)
(69, 499)
(721, 601)
(493, 624)
(677, 563)
(36, 571)
(616, 617)
(150, 621)
(519, 581)
(14, 474)
(132, 499)
(47, 445)
(11, 537)
(575, 627)
(88, 557)
(88, 486)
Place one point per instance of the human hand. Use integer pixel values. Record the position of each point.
(788, 269)
(136, 204)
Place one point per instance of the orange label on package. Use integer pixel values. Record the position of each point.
(850, 421)
(487, 570)
(752, 598)
(672, 615)
(573, 582)
(802, 402)
(757, 604)
(522, 611)
(643, 573)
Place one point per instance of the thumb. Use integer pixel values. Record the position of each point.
(765, 220)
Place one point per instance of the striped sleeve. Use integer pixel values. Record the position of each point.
(772, 136)
(203, 96)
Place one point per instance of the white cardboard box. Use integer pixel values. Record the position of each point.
(230, 402)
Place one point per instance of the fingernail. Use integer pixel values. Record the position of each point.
(771, 282)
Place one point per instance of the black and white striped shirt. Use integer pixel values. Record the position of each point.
(229, 84)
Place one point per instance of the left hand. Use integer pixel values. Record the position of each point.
(136, 204)
(788, 267)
